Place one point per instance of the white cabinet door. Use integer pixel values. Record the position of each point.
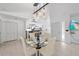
(10, 31)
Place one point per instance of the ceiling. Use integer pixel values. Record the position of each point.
(18, 9)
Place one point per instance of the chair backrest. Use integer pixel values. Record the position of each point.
(24, 45)
(28, 51)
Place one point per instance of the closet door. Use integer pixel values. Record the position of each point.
(0, 30)
(10, 30)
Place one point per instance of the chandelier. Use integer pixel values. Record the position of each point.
(39, 10)
(36, 34)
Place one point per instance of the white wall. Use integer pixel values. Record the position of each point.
(17, 27)
(60, 12)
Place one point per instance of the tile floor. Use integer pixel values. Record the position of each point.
(63, 49)
(14, 48)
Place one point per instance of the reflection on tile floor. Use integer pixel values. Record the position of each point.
(63, 49)
(14, 48)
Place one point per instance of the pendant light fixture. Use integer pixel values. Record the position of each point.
(39, 10)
